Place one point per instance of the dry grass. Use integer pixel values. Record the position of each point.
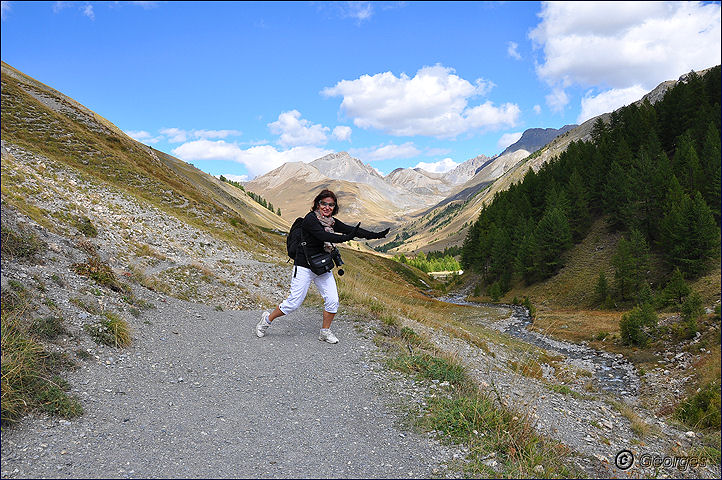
(577, 325)
(641, 428)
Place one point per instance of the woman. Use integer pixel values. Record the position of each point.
(320, 231)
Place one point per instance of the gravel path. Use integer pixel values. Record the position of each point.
(199, 395)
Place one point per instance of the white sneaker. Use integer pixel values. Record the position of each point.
(326, 336)
(263, 325)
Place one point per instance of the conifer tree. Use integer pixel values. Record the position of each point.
(631, 261)
(702, 235)
(618, 197)
(580, 219)
(553, 237)
(676, 289)
(711, 161)
(686, 165)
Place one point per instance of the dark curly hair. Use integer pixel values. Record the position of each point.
(325, 194)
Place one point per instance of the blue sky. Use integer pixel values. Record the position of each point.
(238, 88)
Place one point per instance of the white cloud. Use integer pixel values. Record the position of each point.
(511, 50)
(258, 160)
(557, 100)
(142, 136)
(618, 45)
(175, 135)
(342, 133)
(608, 101)
(235, 178)
(508, 139)
(296, 131)
(146, 6)
(537, 109)
(385, 152)
(442, 166)
(178, 135)
(4, 9)
(216, 133)
(88, 11)
(58, 6)
(435, 102)
(359, 10)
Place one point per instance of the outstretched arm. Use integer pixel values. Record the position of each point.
(314, 227)
(362, 232)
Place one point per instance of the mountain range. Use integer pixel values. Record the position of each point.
(426, 211)
(391, 199)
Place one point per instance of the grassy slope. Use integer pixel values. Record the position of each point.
(62, 129)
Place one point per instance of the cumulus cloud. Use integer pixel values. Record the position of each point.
(442, 166)
(342, 133)
(434, 102)
(385, 152)
(235, 178)
(511, 50)
(296, 131)
(175, 135)
(215, 133)
(608, 101)
(537, 109)
(557, 100)
(142, 136)
(508, 139)
(258, 160)
(178, 135)
(619, 45)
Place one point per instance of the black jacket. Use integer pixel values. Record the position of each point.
(314, 235)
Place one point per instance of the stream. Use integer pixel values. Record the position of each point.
(611, 372)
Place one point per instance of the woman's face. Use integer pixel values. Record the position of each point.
(326, 205)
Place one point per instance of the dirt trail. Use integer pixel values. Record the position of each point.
(199, 395)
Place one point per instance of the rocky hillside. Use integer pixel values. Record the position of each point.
(44, 121)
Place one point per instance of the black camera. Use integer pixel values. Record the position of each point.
(336, 256)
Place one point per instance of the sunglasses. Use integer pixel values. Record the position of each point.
(325, 204)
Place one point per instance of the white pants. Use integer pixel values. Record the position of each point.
(300, 281)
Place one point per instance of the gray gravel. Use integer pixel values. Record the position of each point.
(199, 395)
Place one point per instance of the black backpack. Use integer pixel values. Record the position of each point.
(294, 239)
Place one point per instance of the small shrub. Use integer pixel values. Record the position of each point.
(113, 331)
(22, 244)
(635, 326)
(48, 328)
(82, 354)
(431, 367)
(701, 410)
(85, 226)
(494, 291)
(601, 336)
(100, 272)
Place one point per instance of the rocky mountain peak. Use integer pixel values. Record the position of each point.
(535, 138)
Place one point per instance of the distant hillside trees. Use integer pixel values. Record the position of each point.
(653, 173)
(431, 263)
(259, 199)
